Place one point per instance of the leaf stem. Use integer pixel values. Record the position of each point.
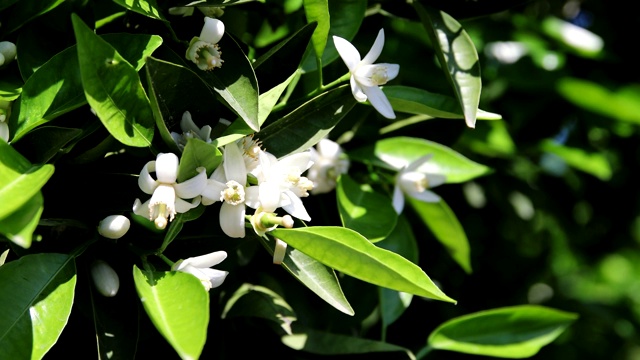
(423, 352)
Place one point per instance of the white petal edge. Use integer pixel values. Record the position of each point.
(379, 101)
(356, 90)
(212, 30)
(347, 51)
(398, 199)
(376, 49)
(426, 196)
(182, 206)
(234, 166)
(295, 208)
(205, 261)
(232, 219)
(167, 168)
(145, 181)
(192, 187)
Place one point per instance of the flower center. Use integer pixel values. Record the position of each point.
(379, 75)
(233, 194)
(161, 205)
(421, 184)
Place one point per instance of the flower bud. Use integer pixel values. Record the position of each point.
(7, 52)
(105, 278)
(279, 252)
(114, 226)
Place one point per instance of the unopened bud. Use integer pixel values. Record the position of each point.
(105, 278)
(114, 226)
(7, 52)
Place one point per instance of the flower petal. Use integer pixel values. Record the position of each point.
(192, 187)
(234, 166)
(379, 101)
(356, 90)
(211, 192)
(252, 197)
(269, 196)
(232, 219)
(434, 180)
(167, 168)
(392, 70)
(205, 261)
(145, 181)
(347, 51)
(295, 208)
(376, 49)
(301, 161)
(212, 30)
(4, 131)
(426, 196)
(414, 165)
(216, 277)
(182, 206)
(141, 209)
(398, 199)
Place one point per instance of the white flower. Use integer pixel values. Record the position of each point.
(105, 278)
(415, 183)
(114, 226)
(166, 194)
(204, 50)
(367, 76)
(199, 267)
(5, 112)
(281, 184)
(190, 130)
(8, 52)
(328, 164)
(227, 184)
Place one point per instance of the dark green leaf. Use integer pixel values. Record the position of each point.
(20, 225)
(145, 7)
(197, 154)
(307, 124)
(23, 11)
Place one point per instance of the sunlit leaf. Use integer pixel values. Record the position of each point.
(36, 293)
(178, 306)
(145, 7)
(595, 164)
(458, 56)
(318, 11)
(198, 153)
(113, 89)
(349, 252)
(20, 225)
(445, 226)
(365, 211)
(511, 332)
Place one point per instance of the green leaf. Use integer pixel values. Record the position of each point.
(19, 180)
(198, 153)
(20, 225)
(345, 18)
(325, 343)
(622, 104)
(235, 83)
(363, 210)
(178, 306)
(43, 143)
(320, 279)
(56, 88)
(398, 152)
(259, 301)
(307, 124)
(168, 105)
(510, 332)
(577, 38)
(282, 59)
(421, 102)
(458, 56)
(145, 7)
(36, 293)
(595, 164)
(402, 242)
(445, 226)
(113, 89)
(23, 11)
(318, 11)
(10, 87)
(349, 252)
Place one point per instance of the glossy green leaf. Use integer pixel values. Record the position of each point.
(23, 11)
(417, 101)
(273, 67)
(198, 153)
(56, 88)
(345, 18)
(458, 56)
(307, 124)
(259, 301)
(402, 242)
(326, 343)
(113, 89)
(510, 332)
(178, 306)
(237, 84)
(349, 252)
(43, 143)
(168, 105)
(320, 279)
(10, 87)
(363, 210)
(595, 164)
(398, 152)
(20, 225)
(36, 293)
(622, 104)
(318, 11)
(19, 180)
(445, 226)
(145, 7)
